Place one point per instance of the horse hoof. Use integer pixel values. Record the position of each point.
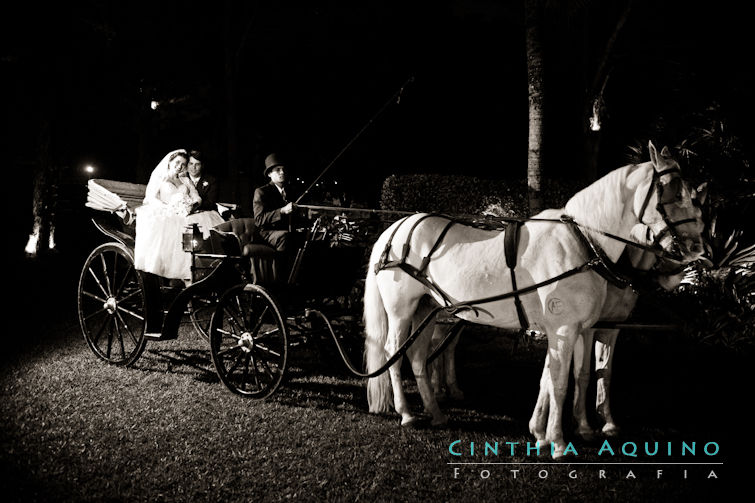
(442, 421)
(409, 422)
(588, 435)
(543, 447)
(457, 395)
(539, 436)
(557, 451)
(611, 430)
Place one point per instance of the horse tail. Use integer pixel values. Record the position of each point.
(379, 393)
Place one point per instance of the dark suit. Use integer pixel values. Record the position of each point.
(274, 227)
(207, 187)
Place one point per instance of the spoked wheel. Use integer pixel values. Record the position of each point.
(111, 305)
(249, 341)
(200, 312)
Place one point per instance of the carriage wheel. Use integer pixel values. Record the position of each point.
(111, 305)
(249, 341)
(200, 312)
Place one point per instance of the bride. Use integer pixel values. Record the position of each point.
(167, 211)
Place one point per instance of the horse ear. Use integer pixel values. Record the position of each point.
(653, 154)
(702, 192)
(665, 152)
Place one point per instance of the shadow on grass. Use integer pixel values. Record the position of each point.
(658, 384)
(190, 362)
(662, 384)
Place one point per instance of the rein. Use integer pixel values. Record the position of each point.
(566, 219)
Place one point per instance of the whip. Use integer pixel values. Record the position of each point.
(396, 97)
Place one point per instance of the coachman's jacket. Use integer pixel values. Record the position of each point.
(267, 204)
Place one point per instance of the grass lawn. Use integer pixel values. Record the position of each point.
(166, 429)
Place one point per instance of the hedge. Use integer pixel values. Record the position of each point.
(468, 195)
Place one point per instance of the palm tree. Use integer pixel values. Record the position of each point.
(533, 10)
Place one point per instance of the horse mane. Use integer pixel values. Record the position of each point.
(596, 205)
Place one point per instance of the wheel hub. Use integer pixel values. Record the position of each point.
(246, 342)
(110, 305)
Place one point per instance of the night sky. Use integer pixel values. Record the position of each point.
(309, 75)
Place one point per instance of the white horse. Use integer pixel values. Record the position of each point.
(619, 305)
(561, 294)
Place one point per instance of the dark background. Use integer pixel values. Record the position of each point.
(309, 75)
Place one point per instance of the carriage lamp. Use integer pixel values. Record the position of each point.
(192, 238)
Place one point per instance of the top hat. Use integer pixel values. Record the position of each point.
(271, 161)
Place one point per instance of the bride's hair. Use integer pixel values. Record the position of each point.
(175, 154)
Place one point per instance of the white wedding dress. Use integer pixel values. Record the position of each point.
(160, 227)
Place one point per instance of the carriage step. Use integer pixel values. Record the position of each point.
(158, 336)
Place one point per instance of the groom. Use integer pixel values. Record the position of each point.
(206, 185)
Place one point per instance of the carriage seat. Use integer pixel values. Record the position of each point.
(265, 261)
(250, 242)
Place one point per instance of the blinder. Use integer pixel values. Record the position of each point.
(668, 191)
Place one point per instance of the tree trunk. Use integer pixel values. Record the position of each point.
(535, 80)
(39, 238)
(592, 155)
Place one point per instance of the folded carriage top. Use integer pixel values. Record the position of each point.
(111, 195)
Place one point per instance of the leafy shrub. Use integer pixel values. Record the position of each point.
(717, 303)
(723, 296)
(467, 195)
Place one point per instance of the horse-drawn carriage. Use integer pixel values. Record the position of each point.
(232, 299)
(551, 272)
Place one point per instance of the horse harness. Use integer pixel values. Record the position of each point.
(673, 179)
(597, 262)
(511, 244)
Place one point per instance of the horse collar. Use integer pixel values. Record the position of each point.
(600, 263)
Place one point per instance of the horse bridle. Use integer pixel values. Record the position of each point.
(670, 230)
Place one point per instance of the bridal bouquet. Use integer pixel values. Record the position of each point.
(180, 204)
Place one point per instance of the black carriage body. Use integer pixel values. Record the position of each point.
(230, 256)
(217, 265)
(232, 299)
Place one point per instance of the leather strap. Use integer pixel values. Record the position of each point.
(510, 252)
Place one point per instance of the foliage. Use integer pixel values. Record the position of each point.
(724, 295)
(708, 150)
(717, 302)
(713, 152)
(467, 195)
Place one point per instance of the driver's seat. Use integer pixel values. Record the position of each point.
(264, 259)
